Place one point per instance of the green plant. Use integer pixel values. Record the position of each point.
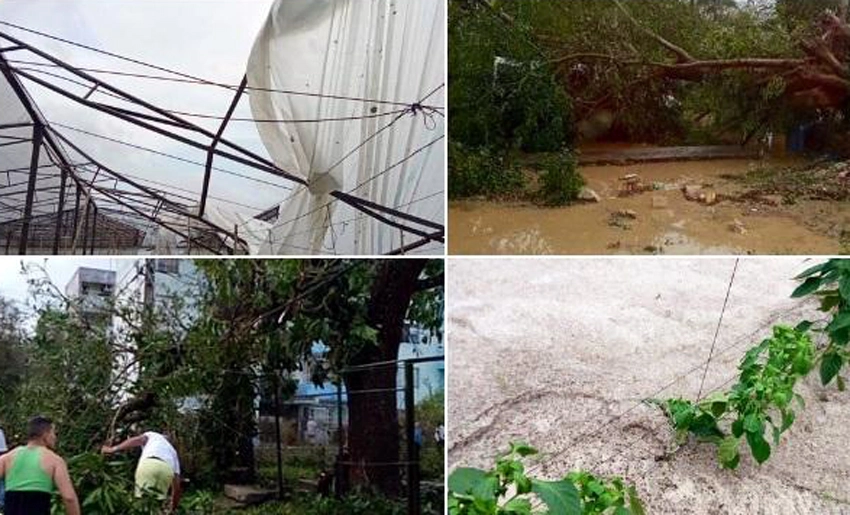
(355, 504)
(600, 496)
(197, 503)
(761, 400)
(560, 181)
(478, 492)
(503, 92)
(482, 171)
(830, 283)
(105, 489)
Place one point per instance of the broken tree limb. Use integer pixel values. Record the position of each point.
(681, 54)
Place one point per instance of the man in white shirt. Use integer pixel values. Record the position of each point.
(158, 470)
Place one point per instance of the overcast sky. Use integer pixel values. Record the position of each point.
(13, 283)
(207, 38)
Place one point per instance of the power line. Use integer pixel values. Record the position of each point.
(198, 80)
(397, 164)
(163, 154)
(205, 116)
(717, 330)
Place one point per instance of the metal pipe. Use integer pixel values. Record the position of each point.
(216, 139)
(277, 437)
(93, 228)
(37, 133)
(412, 446)
(60, 212)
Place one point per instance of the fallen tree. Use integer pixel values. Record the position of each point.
(695, 58)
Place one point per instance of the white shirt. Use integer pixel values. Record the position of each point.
(158, 447)
(3, 447)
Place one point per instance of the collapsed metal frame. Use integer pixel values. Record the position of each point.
(145, 203)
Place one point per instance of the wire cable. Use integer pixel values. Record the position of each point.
(717, 330)
(191, 78)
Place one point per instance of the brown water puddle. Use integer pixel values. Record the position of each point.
(666, 222)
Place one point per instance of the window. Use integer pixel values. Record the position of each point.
(168, 266)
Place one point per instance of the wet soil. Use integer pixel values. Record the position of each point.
(746, 219)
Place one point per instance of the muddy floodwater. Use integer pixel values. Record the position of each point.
(660, 220)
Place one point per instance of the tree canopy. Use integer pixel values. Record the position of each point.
(237, 331)
(677, 69)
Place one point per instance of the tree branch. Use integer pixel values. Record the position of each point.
(681, 54)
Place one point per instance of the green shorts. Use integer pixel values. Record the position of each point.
(153, 476)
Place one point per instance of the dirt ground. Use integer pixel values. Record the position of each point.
(664, 222)
(550, 351)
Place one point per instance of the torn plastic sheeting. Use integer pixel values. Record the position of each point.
(368, 49)
(255, 233)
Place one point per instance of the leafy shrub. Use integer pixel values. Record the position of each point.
(474, 172)
(535, 112)
(600, 496)
(560, 181)
(430, 414)
(358, 504)
(502, 94)
(830, 283)
(478, 492)
(760, 401)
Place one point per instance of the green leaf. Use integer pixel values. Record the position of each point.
(802, 364)
(738, 428)
(804, 326)
(811, 271)
(523, 483)
(727, 452)
(841, 385)
(463, 480)
(844, 286)
(829, 301)
(788, 418)
(753, 424)
(523, 449)
(705, 426)
(517, 507)
(808, 287)
(759, 447)
(487, 490)
(560, 496)
(840, 321)
(830, 366)
(717, 402)
(840, 337)
(635, 504)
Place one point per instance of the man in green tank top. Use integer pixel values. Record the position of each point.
(33, 472)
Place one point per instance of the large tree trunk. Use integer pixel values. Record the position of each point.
(373, 418)
(230, 426)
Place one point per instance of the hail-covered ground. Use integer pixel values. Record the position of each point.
(560, 353)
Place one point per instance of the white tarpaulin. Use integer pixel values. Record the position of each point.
(384, 51)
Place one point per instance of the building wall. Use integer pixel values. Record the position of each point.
(93, 290)
(168, 278)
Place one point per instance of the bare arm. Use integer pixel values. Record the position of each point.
(176, 492)
(66, 488)
(129, 443)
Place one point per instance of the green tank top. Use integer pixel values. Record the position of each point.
(27, 474)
